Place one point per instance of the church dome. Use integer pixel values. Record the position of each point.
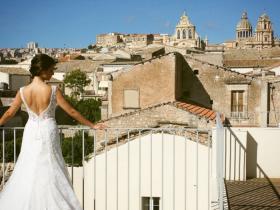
(244, 22)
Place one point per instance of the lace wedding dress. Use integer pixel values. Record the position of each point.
(40, 180)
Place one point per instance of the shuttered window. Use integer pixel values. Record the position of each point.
(237, 101)
(131, 98)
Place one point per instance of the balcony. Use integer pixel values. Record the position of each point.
(150, 168)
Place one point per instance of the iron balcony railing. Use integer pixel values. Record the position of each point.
(272, 118)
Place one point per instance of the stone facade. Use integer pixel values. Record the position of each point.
(138, 40)
(130, 40)
(220, 84)
(154, 81)
(186, 35)
(162, 79)
(246, 38)
(107, 40)
(243, 99)
(165, 115)
(274, 105)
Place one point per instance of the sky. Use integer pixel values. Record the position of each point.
(75, 23)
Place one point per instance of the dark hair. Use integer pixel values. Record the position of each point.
(39, 63)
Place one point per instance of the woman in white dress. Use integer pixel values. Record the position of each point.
(40, 180)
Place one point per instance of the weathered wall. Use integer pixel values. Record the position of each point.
(218, 82)
(274, 105)
(155, 81)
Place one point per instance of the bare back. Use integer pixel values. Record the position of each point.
(37, 97)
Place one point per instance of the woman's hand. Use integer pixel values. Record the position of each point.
(99, 126)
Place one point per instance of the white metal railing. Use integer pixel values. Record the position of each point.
(118, 167)
(236, 165)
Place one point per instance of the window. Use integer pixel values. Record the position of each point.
(131, 99)
(150, 203)
(265, 38)
(190, 34)
(237, 103)
(178, 34)
(184, 34)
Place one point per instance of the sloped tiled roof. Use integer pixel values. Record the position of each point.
(217, 66)
(250, 63)
(196, 110)
(12, 70)
(83, 65)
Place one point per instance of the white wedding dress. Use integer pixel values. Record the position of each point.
(40, 180)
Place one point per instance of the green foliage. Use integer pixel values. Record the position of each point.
(72, 150)
(76, 80)
(80, 57)
(66, 147)
(9, 149)
(87, 107)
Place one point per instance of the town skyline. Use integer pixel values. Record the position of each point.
(73, 25)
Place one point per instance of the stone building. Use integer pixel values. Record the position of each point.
(108, 40)
(186, 35)
(14, 78)
(263, 37)
(138, 40)
(251, 60)
(243, 99)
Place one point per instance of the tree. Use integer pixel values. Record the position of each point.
(77, 81)
(87, 107)
(69, 145)
(90, 108)
(80, 57)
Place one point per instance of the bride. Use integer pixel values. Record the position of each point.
(40, 180)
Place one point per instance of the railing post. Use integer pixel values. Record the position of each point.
(220, 160)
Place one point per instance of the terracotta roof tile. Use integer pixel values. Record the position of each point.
(204, 112)
(196, 110)
(200, 111)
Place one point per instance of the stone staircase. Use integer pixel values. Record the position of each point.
(257, 193)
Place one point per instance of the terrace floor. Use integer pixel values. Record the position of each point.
(253, 194)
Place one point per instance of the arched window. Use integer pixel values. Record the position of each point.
(178, 34)
(184, 34)
(190, 34)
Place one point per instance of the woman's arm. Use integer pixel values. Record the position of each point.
(73, 112)
(12, 110)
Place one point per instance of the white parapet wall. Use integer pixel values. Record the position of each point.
(251, 152)
(262, 148)
(156, 165)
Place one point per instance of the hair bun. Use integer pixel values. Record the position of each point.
(39, 63)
